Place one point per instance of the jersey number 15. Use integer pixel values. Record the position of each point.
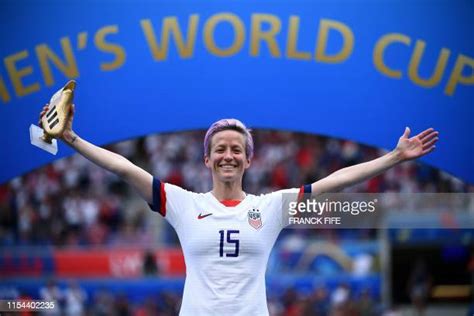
(229, 240)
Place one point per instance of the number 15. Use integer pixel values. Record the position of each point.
(230, 241)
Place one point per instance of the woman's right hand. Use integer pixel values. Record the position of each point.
(68, 134)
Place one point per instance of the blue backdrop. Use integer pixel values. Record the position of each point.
(358, 70)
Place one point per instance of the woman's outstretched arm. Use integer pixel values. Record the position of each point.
(140, 179)
(407, 149)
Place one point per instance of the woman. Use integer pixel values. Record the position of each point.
(227, 235)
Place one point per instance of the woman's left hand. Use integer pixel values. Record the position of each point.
(416, 146)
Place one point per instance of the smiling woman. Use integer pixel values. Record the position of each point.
(226, 234)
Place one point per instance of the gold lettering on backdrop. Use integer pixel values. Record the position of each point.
(292, 40)
(16, 74)
(115, 49)
(4, 92)
(257, 35)
(239, 34)
(323, 33)
(171, 27)
(265, 31)
(415, 63)
(457, 76)
(378, 56)
(45, 54)
(82, 40)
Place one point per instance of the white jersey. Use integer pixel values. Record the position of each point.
(226, 248)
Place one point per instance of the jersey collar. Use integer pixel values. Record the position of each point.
(230, 203)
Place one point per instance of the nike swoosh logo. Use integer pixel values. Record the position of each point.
(203, 216)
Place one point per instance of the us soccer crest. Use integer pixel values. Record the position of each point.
(255, 218)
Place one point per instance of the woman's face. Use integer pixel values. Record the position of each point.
(227, 159)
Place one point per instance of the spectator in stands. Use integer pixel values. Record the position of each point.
(75, 299)
(319, 302)
(149, 263)
(122, 305)
(419, 286)
(341, 301)
(365, 305)
(103, 303)
(52, 293)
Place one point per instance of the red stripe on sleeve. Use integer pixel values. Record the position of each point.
(162, 199)
(301, 194)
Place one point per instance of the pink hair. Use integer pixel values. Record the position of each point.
(229, 124)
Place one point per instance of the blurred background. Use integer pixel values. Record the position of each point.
(74, 233)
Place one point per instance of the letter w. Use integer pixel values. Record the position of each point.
(171, 26)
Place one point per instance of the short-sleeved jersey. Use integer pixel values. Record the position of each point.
(226, 248)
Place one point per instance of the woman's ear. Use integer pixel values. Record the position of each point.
(206, 161)
(248, 163)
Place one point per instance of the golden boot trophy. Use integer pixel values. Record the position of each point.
(54, 121)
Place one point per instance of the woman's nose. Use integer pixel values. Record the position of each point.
(228, 155)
